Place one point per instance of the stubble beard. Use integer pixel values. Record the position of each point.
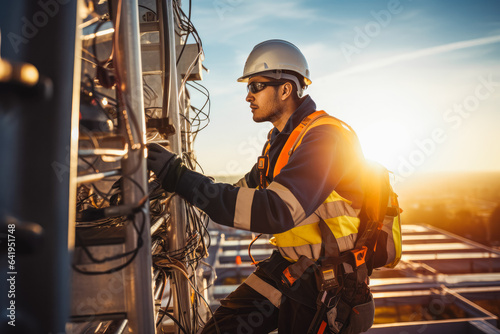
(274, 114)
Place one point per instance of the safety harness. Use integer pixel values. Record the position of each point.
(342, 277)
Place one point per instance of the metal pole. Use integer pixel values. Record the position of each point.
(138, 275)
(38, 146)
(177, 235)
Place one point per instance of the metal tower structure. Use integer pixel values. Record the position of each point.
(76, 192)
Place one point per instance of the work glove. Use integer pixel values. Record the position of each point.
(167, 166)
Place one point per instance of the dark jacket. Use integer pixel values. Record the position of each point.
(322, 163)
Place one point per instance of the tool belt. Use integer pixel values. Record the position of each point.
(303, 291)
(335, 286)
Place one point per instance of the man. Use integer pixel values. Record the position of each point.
(305, 180)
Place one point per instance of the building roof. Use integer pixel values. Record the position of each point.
(444, 283)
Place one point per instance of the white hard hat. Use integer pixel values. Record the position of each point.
(272, 57)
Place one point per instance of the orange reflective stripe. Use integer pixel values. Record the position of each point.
(284, 154)
(329, 120)
(268, 143)
(266, 150)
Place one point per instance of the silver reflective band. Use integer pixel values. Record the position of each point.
(295, 208)
(243, 209)
(265, 289)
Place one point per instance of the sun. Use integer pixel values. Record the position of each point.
(383, 141)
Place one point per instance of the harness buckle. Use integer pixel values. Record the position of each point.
(262, 162)
(359, 255)
(328, 299)
(287, 278)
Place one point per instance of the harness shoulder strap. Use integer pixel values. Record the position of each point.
(263, 163)
(322, 120)
(317, 118)
(285, 151)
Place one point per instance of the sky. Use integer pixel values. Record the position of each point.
(418, 80)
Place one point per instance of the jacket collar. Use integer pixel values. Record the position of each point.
(307, 107)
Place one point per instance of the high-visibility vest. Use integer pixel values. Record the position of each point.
(336, 211)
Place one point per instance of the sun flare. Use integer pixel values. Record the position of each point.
(381, 141)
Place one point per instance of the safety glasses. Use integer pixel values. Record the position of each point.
(256, 87)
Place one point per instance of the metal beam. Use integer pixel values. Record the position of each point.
(176, 236)
(138, 275)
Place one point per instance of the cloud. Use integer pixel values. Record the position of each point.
(419, 54)
(228, 19)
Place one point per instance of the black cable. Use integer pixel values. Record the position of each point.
(189, 12)
(131, 122)
(207, 233)
(93, 141)
(204, 92)
(161, 295)
(117, 268)
(188, 27)
(95, 94)
(111, 100)
(147, 8)
(94, 43)
(197, 227)
(107, 258)
(177, 293)
(133, 252)
(173, 319)
(208, 306)
(197, 119)
(149, 92)
(104, 196)
(106, 222)
(181, 253)
(201, 168)
(200, 110)
(195, 304)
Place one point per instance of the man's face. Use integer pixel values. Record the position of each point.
(265, 104)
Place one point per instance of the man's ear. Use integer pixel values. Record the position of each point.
(287, 90)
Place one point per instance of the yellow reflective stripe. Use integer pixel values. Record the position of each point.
(330, 210)
(396, 229)
(343, 225)
(264, 288)
(334, 196)
(243, 208)
(293, 253)
(310, 234)
(296, 210)
(298, 236)
(394, 249)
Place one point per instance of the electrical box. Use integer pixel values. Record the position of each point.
(190, 57)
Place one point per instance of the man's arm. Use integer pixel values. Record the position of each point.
(322, 163)
(250, 180)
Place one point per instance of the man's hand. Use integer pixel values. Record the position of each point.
(167, 166)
